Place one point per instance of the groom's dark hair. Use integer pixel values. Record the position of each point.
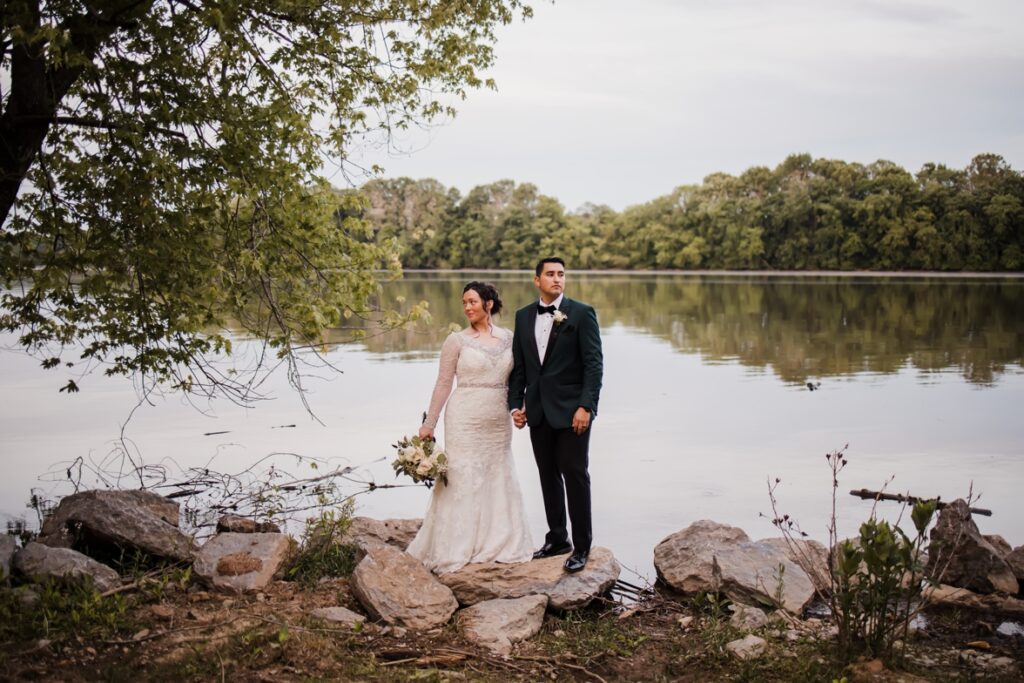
(552, 259)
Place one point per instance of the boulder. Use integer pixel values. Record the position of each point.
(746, 618)
(366, 532)
(964, 557)
(241, 563)
(243, 525)
(1016, 561)
(492, 580)
(7, 548)
(340, 615)
(999, 543)
(497, 624)
(945, 595)
(749, 647)
(395, 587)
(810, 555)
(40, 562)
(93, 521)
(713, 557)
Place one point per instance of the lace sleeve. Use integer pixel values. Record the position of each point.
(445, 378)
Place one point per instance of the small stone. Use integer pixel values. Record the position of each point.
(980, 645)
(1003, 663)
(91, 651)
(141, 634)
(792, 635)
(684, 622)
(746, 618)
(338, 614)
(750, 647)
(398, 632)
(165, 612)
(559, 633)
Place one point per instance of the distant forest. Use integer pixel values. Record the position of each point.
(805, 214)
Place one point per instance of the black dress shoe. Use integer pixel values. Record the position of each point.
(577, 561)
(550, 550)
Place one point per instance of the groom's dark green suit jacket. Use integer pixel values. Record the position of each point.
(569, 377)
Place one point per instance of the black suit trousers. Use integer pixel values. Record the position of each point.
(563, 461)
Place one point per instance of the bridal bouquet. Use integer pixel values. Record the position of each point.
(418, 458)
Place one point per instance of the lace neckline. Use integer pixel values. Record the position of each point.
(503, 343)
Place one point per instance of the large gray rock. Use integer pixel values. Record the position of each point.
(491, 580)
(129, 519)
(7, 548)
(241, 563)
(964, 557)
(1016, 561)
(366, 532)
(497, 624)
(396, 588)
(812, 557)
(40, 562)
(999, 543)
(712, 557)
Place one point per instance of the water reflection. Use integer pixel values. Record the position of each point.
(797, 328)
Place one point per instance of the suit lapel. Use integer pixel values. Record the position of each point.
(531, 319)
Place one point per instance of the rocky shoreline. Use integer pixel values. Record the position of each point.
(495, 608)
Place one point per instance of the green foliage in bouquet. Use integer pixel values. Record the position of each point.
(419, 459)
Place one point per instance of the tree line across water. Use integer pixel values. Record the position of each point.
(806, 214)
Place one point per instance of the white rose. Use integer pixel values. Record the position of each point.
(424, 467)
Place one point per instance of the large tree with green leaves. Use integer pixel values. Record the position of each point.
(162, 167)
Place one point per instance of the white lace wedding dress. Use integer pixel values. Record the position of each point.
(479, 515)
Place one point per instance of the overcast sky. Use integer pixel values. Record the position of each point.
(619, 102)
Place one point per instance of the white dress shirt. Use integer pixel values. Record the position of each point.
(542, 328)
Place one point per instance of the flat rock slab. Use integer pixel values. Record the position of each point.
(7, 548)
(713, 557)
(396, 588)
(241, 563)
(492, 580)
(339, 615)
(497, 624)
(40, 562)
(130, 519)
(366, 532)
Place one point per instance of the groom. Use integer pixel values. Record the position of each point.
(554, 385)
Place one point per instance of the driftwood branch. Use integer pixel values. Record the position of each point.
(900, 498)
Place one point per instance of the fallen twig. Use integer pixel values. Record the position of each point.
(900, 498)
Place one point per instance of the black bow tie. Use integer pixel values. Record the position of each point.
(542, 309)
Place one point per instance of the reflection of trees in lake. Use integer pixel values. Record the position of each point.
(799, 327)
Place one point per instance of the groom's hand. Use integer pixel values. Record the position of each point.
(519, 418)
(580, 421)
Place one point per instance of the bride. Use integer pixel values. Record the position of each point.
(478, 516)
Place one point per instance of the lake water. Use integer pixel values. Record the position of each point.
(705, 398)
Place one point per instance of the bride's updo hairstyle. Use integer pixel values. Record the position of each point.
(486, 292)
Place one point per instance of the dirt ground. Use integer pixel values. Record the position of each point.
(176, 633)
